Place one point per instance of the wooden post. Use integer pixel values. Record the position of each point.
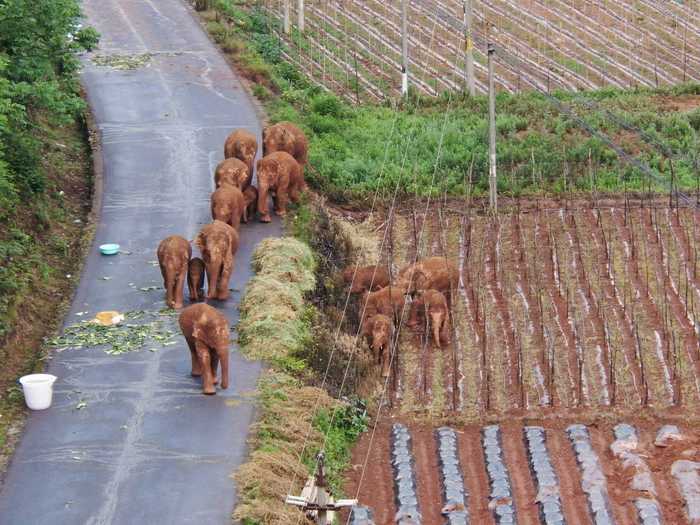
(300, 23)
(404, 47)
(493, 203)
(468, 48)
(286, 17)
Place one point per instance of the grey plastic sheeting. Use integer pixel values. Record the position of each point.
(545, 477)
(404, 477)
(667, 433)
(624, 447)
(361, 516)
(592, 477)
(688, 480)
(455, 508)
(499, 477)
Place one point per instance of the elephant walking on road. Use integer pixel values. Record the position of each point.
(207, 333)
(218, 243)
(174, 253)
(228, 205)
(242, 145)
(278, 174)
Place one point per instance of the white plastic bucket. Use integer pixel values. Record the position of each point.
(38, 390)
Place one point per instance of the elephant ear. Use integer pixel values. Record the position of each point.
(199, 241)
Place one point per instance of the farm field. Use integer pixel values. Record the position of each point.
(568, 312)
(355, 47)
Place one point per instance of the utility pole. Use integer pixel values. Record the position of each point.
(404, 47)
(301, 16)
(286, 16)
(493, 204)
(468, 48)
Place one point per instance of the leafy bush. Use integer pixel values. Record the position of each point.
(39, 41)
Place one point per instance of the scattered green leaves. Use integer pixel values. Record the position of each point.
(122, 62)
(151, 328)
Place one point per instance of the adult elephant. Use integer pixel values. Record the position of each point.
(431, 273)
(233, 172)
(218, 243)
(207, 333)
(242, 145)
(174, 254)
(285, 136)
(228, 205)
(278, 174)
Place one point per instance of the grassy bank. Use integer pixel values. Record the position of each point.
(280, 325)
(356, 150)
(45, 185)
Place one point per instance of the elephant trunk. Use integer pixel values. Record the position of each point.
(437, 319)
(223, 360)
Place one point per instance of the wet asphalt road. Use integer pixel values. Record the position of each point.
(148, 448)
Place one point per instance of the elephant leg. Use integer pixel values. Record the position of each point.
(294, 193)
(386, 362)
(196, 367)
(282, 200)
(180, 289)
(223, 357)
(222, 292)
(445, 331)
(192, 290)
(204, 355)
(214, 366)
(263, 204)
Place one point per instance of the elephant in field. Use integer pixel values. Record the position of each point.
(278, 174)
(431, 273)
(388, 301)
(379, 331)
(195, 279)
(228, 205)
(285, 136)
(433, 305)
(218, 243)
(242, 145)
(233, 172)
(250, 198)
(174, 253)
(366, 278)
(207, 333)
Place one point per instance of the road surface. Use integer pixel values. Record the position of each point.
(148, 447)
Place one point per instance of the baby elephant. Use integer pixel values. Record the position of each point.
(233, 172)
(250, 198)
(207, 333)
(278, 174)
(434, 305)
(195, 279)
(228, 205)
(173, 256)
(366, 278)
(379, 331)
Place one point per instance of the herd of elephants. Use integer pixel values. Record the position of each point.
(427, 284)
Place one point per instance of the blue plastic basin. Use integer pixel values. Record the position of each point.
(109, 249)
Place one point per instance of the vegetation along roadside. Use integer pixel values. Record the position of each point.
(45, 185)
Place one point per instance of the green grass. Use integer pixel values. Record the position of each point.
(540, 151)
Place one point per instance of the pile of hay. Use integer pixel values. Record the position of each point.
(274, 467)
(272, 323)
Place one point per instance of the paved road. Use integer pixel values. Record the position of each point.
(148, 448)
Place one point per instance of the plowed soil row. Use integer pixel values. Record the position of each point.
(376, 487)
